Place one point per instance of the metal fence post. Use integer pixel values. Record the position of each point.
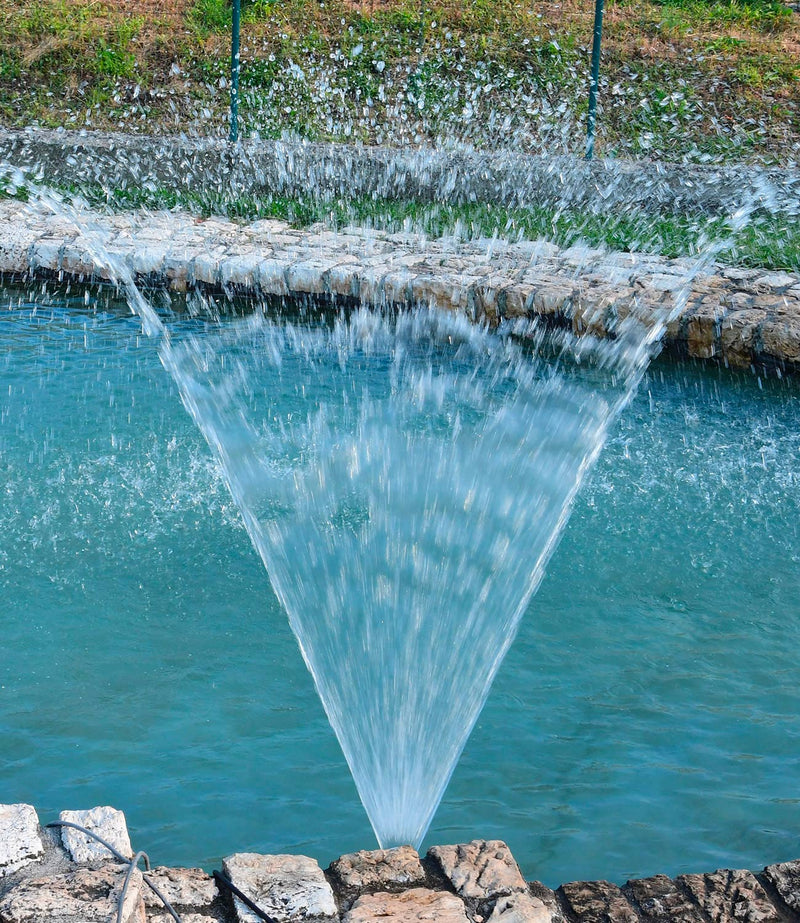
(595, 79)
(234, 132)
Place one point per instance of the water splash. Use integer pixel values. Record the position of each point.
(405, 478)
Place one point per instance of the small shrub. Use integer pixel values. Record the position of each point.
(9, 66)
(210, 16)
(725, 44)
(110, 61)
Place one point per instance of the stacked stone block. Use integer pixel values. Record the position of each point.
(740, 317)
(50, 876)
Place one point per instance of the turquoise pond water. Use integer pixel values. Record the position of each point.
(646, 719)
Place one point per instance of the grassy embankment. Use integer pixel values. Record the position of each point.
(701, 80)
(681, 78)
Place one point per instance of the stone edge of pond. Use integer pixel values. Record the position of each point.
(742, 318)
(47, 876)
(456, 176)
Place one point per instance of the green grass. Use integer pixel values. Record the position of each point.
(207, 17)
(758, 15)
(65, 38)
(56, 18)
(10, 68)
(114, 57)
(764, 71)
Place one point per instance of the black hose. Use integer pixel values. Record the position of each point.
(128, 875)
(131, 863)
(227, 883)
(218, 877)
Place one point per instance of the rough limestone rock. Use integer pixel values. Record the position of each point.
(727, 895)
(702, 331)
(661, 900)
(482, 870)
(781, 339)
(16, 241)
(598, 902)
(191, 892)
(739, 337)
(785, 876)
(105, 822)
(155, 916)
(549, 898)
(387, 870)
(288, 888)
(522, 908)
(417, 905)
(20, 842)
(83, 896)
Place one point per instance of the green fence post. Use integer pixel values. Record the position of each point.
(595, 79)
(234, 133)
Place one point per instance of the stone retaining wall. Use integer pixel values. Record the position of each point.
(287, 168)
(741, 317)
(51, 876)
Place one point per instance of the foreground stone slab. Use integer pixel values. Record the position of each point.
(523, 908)
(83, 896)
(388, 870)
(785, 877)
(191, 892)
(662, 901)
(481, 870)
(413, 906)
(288, 888)
(727, 895)
(188, 917)
(154, 916)
(106, 822)
(20, 842)
(598, 902)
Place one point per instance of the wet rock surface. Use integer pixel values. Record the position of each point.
(661, 899)
(785, 878)
(598, 902)
(739, 317)
(731, 895)
(523, 908)
(192, 893)
(482, 870)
